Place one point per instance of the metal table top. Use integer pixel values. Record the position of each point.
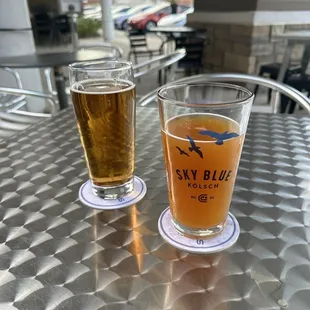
(57, 254)
(54, 59)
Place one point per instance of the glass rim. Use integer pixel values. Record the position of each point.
(86, 66)
(226, 104)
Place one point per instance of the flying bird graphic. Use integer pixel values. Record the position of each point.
(182, 152)
(194, 147)
(220, 137)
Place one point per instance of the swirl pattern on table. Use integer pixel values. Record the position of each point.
(55, 253)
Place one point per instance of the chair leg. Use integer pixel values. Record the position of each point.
(255, 90)
(159, 77)
(136, 58)
(291, 107)
(129, 55)
(165, 75)
(161, 49)
(269, 94)
(256, 87)
(285, 101)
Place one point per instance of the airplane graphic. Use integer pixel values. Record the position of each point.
(194, 147)
(182, 152)
(220, 137)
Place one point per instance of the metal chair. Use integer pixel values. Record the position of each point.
(115, 49)
(300, 82)
(16, 118)
(139, 46)
(194, 46)
(286, 90)
(12, 100)
(42, 24)
(272, 70)
(166, 63)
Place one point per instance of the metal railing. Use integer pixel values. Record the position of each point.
(118, 50)
(286, 90)
(158, 63)
(48, 98)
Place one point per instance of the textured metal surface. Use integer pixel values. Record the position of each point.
(57, 254)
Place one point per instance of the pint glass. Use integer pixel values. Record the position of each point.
(203, 129)
(103, 96)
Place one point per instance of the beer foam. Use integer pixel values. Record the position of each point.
(204, 114)
(103, 86)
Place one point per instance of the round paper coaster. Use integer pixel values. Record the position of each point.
(89, 199)
(219, 243)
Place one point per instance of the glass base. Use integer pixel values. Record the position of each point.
(195, 233)
(113, 192)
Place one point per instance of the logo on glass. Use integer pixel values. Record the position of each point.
(194, 147)
(220, 137)
(181, 151)
(203, 198)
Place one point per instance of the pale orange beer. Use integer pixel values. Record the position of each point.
(201, 169)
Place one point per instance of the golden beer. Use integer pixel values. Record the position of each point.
(105, 113)
(202, 153)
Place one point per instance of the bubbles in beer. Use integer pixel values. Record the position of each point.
(106, 115)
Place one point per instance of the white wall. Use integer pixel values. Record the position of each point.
(252, 18)
(15, 14)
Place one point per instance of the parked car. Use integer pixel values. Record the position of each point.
(179, 19)
(121, 19)
(151, 17)
(96, 13)
(116, 9)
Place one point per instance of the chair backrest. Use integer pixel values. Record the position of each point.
(23, 92)
(194, 49)
(286, 90)
(42, 21)
(158, 63)
(305, 59)
(12, 79)
(15, 119)
(62, 23)
(137, 39)
(114, 49)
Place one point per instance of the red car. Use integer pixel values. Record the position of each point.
(150, 18)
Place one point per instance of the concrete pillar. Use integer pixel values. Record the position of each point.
(107, 20)
(15, 15)
(242, 33)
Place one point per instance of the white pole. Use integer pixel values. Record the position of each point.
(107, 20)
(73, 29)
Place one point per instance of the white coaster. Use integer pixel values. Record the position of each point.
(219, 243)
(89, 199)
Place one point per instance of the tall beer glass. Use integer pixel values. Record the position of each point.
(103, 95)
(203, 129)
